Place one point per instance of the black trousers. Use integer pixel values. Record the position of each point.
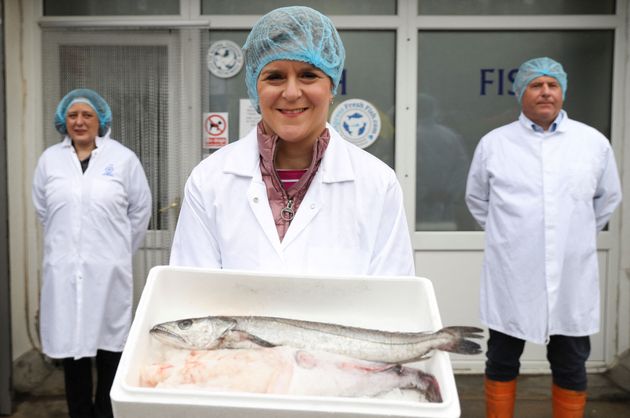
(567, 357)
(78, 384)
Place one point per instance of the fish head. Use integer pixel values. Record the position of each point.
(192, 333)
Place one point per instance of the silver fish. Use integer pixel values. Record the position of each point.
(216, 332)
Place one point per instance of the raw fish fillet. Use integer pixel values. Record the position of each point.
(285, 370)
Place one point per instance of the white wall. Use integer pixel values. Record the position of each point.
(24, 145)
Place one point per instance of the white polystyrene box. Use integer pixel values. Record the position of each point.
(386, 303)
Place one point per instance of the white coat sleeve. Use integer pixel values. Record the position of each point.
(139, 198)
(194, 243)
(39, 190)
(478, 188)
(608, 192)
(393, 253)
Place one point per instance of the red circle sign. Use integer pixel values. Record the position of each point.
(215, 125)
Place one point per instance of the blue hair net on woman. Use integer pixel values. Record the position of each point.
(538, 67)
(293, 33)
(90, 97)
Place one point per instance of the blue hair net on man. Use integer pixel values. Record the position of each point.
(293, 33)
(89, 97)
(538, 67)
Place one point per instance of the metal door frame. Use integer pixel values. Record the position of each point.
(183, 105)
(5, 301)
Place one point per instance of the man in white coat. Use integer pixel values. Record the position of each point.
(541, 187)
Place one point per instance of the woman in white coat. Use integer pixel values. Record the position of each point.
(93, 200)
(293, 196)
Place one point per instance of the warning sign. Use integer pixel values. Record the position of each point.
(215, 130)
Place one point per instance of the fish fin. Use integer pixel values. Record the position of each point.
(463, 346)
(242, 339)
(458, 342)
(425, 383)
(422, 357)
(259, 341)
(465, 332)
(429, 386)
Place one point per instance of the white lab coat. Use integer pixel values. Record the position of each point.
(351, 220)
(542, 198)
(93, 222)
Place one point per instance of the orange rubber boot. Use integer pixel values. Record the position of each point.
(567, 403)
(500, 398)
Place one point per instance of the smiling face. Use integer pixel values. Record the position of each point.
(542, 101)
(82, 123)
(294, 99)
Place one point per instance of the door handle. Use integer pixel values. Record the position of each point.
(173, 205)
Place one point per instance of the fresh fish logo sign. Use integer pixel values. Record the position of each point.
(109, 170)
(357, 121)
(358, 127)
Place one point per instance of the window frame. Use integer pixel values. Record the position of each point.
(474, 240)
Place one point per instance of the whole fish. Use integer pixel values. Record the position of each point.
(286, 370)
(215, 332)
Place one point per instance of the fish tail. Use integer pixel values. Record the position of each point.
(458, 342)
(428, 385)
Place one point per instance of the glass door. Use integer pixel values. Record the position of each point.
(139, 74)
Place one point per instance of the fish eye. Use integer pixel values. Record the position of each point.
(185, 324)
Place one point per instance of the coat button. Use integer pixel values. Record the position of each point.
(312, 205)
(255, 200)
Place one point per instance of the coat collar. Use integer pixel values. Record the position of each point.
(243, 160)
(336, 166)
(560, 122)
(100, 140)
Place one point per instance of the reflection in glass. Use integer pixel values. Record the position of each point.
(134, 81)
(110, 7)
(370, 74)
(442, 164)
(327, 7)
(515, 7)
(468, 75)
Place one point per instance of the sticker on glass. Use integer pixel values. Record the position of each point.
(225, 59)
(248, 117)
(357, 121)
(215, 127)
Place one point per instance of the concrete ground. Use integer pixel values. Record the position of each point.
(606, 399)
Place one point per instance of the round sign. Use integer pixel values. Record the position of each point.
(357, 121)
(215, 125)
(225, 59)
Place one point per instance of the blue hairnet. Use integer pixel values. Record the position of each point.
(293, 33)
(538, 67)
(99, 105)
